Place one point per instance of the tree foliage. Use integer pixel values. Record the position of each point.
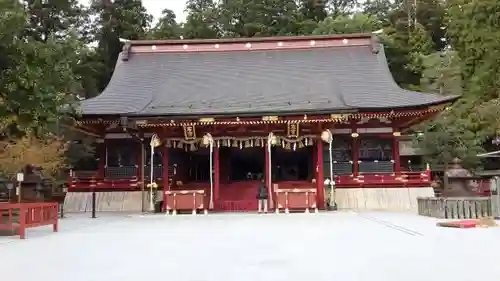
(356, 23)
(31, 95)
(167, 27)
(47, 153)
(125, 19)
(464, 131)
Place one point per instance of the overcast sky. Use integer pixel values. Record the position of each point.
(155, 7)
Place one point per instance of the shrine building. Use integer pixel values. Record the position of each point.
(293, 111)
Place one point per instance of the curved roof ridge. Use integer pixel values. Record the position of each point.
(249, 39)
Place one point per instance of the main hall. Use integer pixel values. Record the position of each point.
(295, 112)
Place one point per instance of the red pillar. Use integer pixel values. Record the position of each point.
(315, 163)
(355, 156)
(140, 174)
(101, 172)
(320, 178)
(395, 153)
(166, 185)
(216, 176)
(268, 176)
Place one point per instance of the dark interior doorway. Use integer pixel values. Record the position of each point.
(292, 165)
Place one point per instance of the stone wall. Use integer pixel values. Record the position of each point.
(384, 199)
(127, 201)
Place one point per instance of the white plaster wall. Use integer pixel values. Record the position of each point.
(387, 199)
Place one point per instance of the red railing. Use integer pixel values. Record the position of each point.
(21, 216)
(102, 183)
(404, 179)
(372, 179)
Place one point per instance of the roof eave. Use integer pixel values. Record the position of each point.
(451, 99)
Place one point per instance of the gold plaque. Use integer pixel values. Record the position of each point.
(189, 132)
(293, 130)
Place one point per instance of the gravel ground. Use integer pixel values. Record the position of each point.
(341, 246)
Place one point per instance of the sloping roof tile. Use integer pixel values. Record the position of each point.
(246, 82)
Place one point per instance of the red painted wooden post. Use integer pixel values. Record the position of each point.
(315, 164)
(395, 154)
(166, 185)
(320, 178)
(355, 156)
(216, 176)
(140, 174)
(22, 221)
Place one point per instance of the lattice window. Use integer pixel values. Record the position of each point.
(375, 149)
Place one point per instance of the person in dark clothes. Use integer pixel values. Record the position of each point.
(262, 197)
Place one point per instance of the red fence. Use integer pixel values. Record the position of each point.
(21, 216)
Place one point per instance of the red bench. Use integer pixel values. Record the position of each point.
(20, 216)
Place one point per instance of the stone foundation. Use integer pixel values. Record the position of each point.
(126, 201)
(384, 199)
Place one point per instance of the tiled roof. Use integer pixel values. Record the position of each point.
(253, 82)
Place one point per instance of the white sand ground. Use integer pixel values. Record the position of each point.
(342, 246)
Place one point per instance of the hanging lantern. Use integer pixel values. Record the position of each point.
(327, 136)
(207, 139)
(274, 140)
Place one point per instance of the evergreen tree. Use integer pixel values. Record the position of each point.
(167, 27)
(202, 21)
(357, 23)
(249, 18)
(125, 19)
(463, 132)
